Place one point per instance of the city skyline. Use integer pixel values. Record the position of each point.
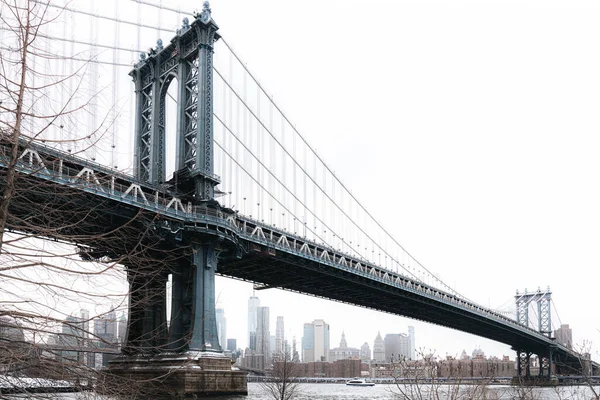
(407, 336)
(107, 327)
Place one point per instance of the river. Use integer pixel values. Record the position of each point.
(330, 391)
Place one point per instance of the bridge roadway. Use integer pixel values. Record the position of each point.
(250, 250)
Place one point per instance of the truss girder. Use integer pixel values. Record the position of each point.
(543, 301)
(544, 316)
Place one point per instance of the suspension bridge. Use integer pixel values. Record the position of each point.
(209, 144)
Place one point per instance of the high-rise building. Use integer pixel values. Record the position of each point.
(564, 336)
(74, 331)
(231, 344)
(85, 322)
(272, 345)
(378, 349)
(400, 346)
(263, 334)
(365, 353)
(308, 343)
(295, 355)
(411, 335)
(122, 328)
(221, 327)
(253, 304)
(105, 327)
(397, 346)
(279, 349)
(315, 342)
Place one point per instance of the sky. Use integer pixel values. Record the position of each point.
(469, 128)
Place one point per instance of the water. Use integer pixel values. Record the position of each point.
(332, 391)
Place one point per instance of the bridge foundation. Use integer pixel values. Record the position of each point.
(544, 377)
(173, 375)
(183, 359)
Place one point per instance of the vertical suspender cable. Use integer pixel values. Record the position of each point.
(233, 182)
(247, 192)
(115, 91)
(91, 131)
(272, 163)
(225, 180)
(285, 179)
(259, 151)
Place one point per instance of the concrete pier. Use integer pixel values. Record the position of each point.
(177, 375)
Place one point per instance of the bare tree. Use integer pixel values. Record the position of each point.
(61, 248)
(428, 378)
(281, 382)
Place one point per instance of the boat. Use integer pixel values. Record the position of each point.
(359, 382)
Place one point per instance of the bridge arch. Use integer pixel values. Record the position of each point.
(170, 125)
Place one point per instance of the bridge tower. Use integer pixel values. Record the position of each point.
(523, 302)
(189, 343)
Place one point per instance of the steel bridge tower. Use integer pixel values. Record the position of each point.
(189, 342)
(523, 302)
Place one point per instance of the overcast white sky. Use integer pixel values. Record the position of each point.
(470, 128)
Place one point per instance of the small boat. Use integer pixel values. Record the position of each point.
(359, 382)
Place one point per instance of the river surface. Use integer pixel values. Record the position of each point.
(331, 391)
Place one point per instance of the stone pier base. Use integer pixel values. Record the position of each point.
(179, 375)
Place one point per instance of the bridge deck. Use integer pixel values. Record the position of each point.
(269, 256)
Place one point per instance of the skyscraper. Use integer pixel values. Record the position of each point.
(263, 334)
(315, 342)
(397, 346)
(122, 325)
(400, 345)
(74, 332)
(231, 344)
(85, 318)
(378, 349)
(221, 327)
(365, 353)
(253, 304)
(295, 356)
(105, 327)
(564, 336)
(279, 349)
(411, 335)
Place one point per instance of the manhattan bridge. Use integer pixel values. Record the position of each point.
(220, 183)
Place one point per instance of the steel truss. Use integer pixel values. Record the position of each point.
(188, 58)
(543, 300)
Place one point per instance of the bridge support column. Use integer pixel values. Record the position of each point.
(191, 362)
(523, 364)
(193, 320)
(147, 326)
(546, 364)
